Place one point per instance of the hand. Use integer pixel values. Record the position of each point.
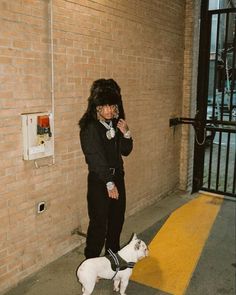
(122, 125)
(113, 193)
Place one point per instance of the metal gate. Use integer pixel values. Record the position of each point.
(215, 124)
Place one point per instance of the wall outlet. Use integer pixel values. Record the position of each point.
(41, 207)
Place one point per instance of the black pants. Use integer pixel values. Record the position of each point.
(106, 215)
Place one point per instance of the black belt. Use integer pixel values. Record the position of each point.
(113, 171)
(116, 170)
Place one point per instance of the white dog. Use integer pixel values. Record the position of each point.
(115, 266)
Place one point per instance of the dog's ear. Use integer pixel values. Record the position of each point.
(134, 237)
(137, 245)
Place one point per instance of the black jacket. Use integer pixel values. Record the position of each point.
(101, 154)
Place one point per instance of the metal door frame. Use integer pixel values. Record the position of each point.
(202, 92)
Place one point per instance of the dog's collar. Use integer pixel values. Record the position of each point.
(117, 262)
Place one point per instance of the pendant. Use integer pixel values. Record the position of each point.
(110, 133)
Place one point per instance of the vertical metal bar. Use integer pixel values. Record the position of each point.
(224, 62)
(230, 108)
(234, 178)
(210, 165)
(216, 63)
(233, 72)
(227, 163)
(214, 95)
(214, 92)
(218, 161)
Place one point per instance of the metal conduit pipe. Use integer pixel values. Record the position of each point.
(52, 78)
(52, 119)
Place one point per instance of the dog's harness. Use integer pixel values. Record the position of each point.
(118, 263)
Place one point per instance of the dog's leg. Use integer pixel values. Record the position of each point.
(123, 286)
(116, 285)
(86, 291)
(87, 287)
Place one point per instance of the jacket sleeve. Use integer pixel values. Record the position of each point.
(92, 147)
(126, 146)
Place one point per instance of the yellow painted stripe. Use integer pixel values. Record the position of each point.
(175, 250)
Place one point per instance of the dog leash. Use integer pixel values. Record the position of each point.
(120, 263)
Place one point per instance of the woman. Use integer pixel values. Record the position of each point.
(105, 138)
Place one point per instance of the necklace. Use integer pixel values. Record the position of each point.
(110, 130)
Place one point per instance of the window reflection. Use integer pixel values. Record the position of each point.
(221, 4)
(222, 68)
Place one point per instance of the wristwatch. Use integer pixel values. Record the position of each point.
(110, 185)
(127, 134)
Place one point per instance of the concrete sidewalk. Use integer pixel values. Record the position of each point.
(58, 278)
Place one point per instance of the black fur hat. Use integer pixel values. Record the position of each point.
(102, 92)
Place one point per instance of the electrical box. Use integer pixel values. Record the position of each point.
(37, 131)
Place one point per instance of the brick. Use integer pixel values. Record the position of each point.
(3, 270)
(4, 222)
(3, 253)
(5, 60)
(21, 44)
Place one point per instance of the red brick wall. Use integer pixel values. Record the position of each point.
(138, 43)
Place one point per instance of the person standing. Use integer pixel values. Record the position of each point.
(105, 137)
